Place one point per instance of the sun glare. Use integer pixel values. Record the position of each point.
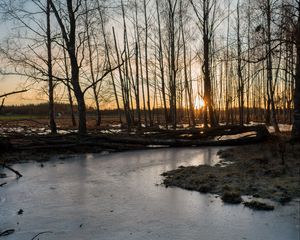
(199, 102)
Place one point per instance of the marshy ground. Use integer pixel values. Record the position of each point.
(267, 170)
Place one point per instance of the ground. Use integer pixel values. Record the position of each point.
(266, 170)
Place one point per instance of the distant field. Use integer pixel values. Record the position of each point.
(19, 117)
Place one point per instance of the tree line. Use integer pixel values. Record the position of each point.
(240, 59)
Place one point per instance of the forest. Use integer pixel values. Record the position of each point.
(201, 62)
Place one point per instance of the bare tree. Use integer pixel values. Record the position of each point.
(70, 38)
(50, 74)
(146, 63)
(207, 23)
(107, 55)
(188, 89)
(270, 65)
(161, 64)
(296, 123)
(239, 68)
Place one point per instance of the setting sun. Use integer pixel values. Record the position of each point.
(199, 102)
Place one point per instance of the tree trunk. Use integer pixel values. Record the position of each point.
(71, 103)
(109, 62)
(70, 40)
(248, 64)
(296, 123)
(270, 69)
(70, 98)
(187, 88)
(172, 59)
(50, 74)
(239, 73)
(161, 66)
(124, 91)
(146, 64)
(91, 65)
(137, 91)
(206, 68)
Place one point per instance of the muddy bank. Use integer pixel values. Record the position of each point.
(267, 170)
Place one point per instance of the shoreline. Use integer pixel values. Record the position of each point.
(269, 170)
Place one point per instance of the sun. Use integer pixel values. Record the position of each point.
(199, 103)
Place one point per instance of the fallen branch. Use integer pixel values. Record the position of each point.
(12, 93)
(7, 232)
(2, 184)
(13, 170)
(40, 234)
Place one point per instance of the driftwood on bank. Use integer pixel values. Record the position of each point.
(220, 136)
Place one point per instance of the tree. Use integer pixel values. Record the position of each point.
(171, 10)
(146, 63)
(71, 47)
(107, 55)
(188, 89)
(239, 69)
(270, 64)
(296, 123)
(50, 73)
(207, 23)
(161, 64)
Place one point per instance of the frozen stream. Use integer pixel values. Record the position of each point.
(116, 196)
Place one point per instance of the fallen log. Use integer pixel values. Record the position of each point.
(2, 184)
(7, 232)
(208, 132)
(220, 136)
(261, 134)
(13, 170)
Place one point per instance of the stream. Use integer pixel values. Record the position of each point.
(118, 196)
